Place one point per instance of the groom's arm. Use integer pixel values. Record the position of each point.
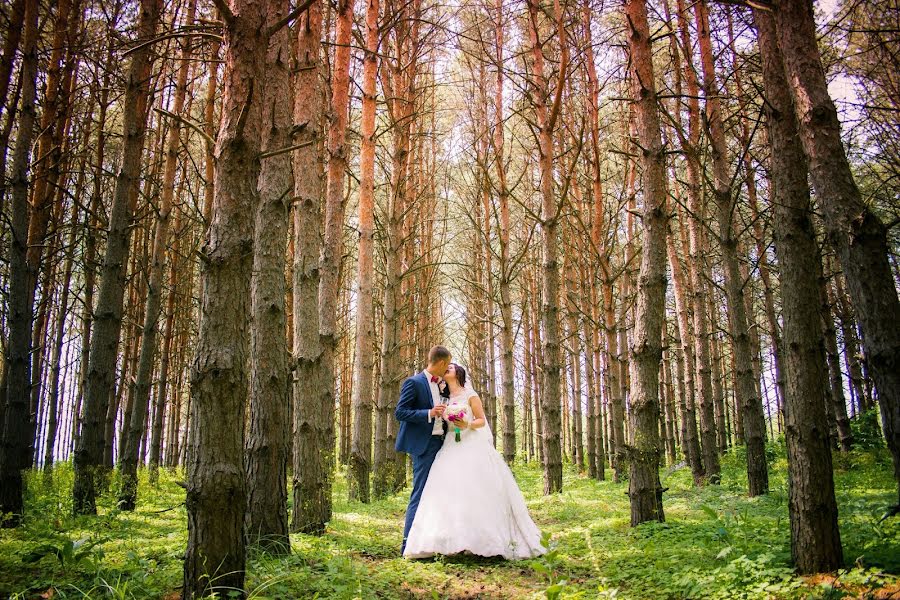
(405, 410)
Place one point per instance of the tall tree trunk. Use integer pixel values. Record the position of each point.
(689, 438)
(216, 488)
(312, 418)
(527, 391)
(815, 539)
(853, 230)
(507, 338)
(364, 353)
(315, 511)
(10, 47)
(58, 339)
(600, 353)
(697, 263)
(848, 320)
(590, 377)
(265, 458)
(90, 251)
(164, 361)
(669, 410)
(100, 383)
(644, 489)
(401, 86)
(132, 315)
(128, 462)
(836, 384)
(550, 387)
(596, 357)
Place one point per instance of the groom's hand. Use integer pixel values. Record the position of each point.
(437, 411)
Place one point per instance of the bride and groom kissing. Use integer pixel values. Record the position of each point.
(464, 496)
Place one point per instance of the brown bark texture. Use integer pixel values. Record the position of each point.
(101, 371)
(815, 540)
(644, 489)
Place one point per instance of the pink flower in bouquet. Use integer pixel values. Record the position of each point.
(455, 415)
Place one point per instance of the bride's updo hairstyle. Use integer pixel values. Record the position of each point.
(460, 375)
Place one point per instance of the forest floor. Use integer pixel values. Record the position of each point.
(715, 543)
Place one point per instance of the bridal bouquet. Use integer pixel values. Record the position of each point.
(457, 414)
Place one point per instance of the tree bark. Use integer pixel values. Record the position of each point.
(550, 386)
(265, 450)
(835, 389)
(697, 263)
(644, 489)
(507, 338)
(316, 479)
(14, 457)
(312, 418)
(852, 229)
(689, 438)
(100, 383)
(10, 47)
(216, 488)
(128, 462)
(164, 361)
(815, 539)
(364, 353)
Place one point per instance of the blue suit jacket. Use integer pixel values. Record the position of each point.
(412, 412)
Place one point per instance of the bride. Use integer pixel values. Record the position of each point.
(471, 502)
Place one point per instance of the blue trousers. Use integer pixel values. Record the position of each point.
(421, 466)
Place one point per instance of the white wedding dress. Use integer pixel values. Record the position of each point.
(471, 502)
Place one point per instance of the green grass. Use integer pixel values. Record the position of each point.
(716, 543)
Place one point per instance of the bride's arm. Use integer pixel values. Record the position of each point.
(477, 412)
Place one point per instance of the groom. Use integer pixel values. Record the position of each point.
(422, 429)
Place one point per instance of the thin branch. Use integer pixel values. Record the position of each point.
(225, 11)
(271, 153)
(190, 124)
(288, 18)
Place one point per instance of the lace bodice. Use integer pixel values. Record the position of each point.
(462, 396)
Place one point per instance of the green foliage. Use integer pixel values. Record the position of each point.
(866, 430)
(715, 543)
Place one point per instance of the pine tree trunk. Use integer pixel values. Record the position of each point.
(100, 381)
(164, 361)
(315, 512)
(836, 384)
(10, 47)
(815, 539)
(507, 341)
(58, 338)
(364, 353)
(216, 488)
(852, 229)
(268, 436)
(128, 462)
(590, 377)
(697, 262)
(312, 417)
(596, 358)
(669, 410)
(644, 489)
(90, 252)
(689, 438)
(550, 387)
(851, 345)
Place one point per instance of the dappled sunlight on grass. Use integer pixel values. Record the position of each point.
(716, 543)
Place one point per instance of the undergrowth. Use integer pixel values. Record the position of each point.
(715, 543)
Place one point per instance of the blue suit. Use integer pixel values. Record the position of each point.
(415, 438)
